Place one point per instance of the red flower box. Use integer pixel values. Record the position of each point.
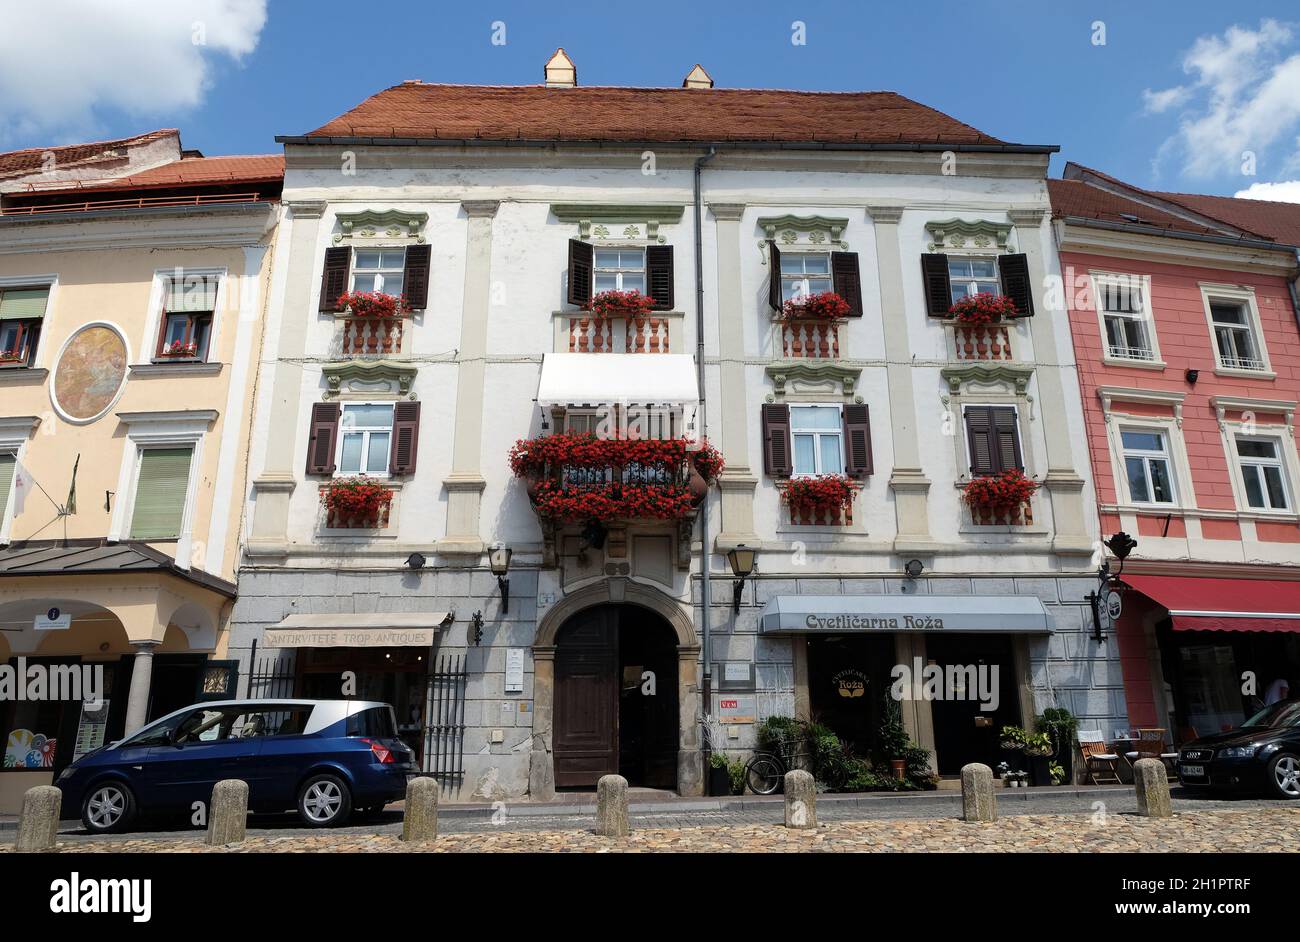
(373, 304)
(1000, 491)
(984, 308)
(823, 493)
(826, 306)
(356, 499)
(178, 348)
(620, 304)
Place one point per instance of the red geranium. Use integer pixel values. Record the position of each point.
(1008, 489)
(356, 497)
(536, 455)
(826, 306)
(620, 304)
(976, 310)
(825, 492)
(373, 304)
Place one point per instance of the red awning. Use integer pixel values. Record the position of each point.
(1224, 604)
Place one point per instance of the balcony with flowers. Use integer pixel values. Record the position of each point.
(578, 479)
(810, 326)
(820, 500)
(982, 327)
(1001, 499)
(618, 322)
(356, 503)
(371, 325)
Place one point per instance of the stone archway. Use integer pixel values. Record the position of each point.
(690, 763)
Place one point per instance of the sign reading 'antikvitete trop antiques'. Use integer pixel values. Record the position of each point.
(349, 637)
(921, 613)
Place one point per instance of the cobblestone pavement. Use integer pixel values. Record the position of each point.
(1247, 829)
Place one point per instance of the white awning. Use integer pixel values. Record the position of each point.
(600, 378)
(940, 614)
(379, 630)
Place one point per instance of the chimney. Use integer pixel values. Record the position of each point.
(697, 78)
(560, 70)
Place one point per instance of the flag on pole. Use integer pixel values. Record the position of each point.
(71, 506)
(22, 483)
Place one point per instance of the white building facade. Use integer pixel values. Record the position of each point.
(605, 657)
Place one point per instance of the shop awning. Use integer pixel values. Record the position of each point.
(1197, 604)
(599, 378)
(405, 630)
(948, 614)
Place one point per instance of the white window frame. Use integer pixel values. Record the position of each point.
(378, 272)
(367, 431)
(620, 271)
(818, 434)
(1113, 399)
(968, 282)
(1246, 426)
(1279, 462)
(162, 278)
(146, 430)
(36, 281)
(1245, 297)
(800, 281)
(1146, 318)
(15, 433)
(1165, 454)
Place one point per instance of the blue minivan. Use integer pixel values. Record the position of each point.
(327, 758)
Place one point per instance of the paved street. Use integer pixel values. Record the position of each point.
(1036, 819)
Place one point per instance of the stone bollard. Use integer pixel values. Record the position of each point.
(800, 799)
(228, 813)
(611, 807)
(420, 821)
(1152, 787)
(977, 799)
(38, 827)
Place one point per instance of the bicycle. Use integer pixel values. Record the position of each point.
(765, 771)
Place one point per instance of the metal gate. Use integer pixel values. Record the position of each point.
(272, 677)
(444, 735)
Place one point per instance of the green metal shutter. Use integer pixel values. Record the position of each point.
(7, 463)
(160, 493)
(21, 304)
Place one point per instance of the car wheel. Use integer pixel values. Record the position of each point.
(324, 801)
(109, 808)
(1284, 775)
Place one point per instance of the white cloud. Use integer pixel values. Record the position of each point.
(1287, 191)
(62, 61)
(1244, 95)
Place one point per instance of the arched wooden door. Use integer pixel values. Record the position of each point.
(585, 735)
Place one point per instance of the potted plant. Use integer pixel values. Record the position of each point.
(620, 304)
(824, 306)
(372, 304)
(178, 349)
(1012, 738)
(355, 502)
(1061, 725)
(1038, 749)
(811, 497)
(980, 310)
(719, 774)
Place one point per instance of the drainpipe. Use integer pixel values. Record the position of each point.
(706, 554)
(1291, 287)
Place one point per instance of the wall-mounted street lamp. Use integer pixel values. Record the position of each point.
(741, 559)
(1106, 603)
(499, 560)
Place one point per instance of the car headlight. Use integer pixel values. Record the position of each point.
(1238, 752)
(65, 774)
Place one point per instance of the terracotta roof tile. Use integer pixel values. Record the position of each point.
(454, 112)
(192, 171)
(32, 159)
(1280, 221)
(1079, 199)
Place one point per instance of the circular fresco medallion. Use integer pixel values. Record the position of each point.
(90, 373)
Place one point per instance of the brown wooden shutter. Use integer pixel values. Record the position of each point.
(938, 289)
(1013, 270)
(334, 277)
(774, 286)
(406, 438)
(582, 262)
(415, 277)
(324, 433)
(979, 426)
(659, 276)
(847, 280)
(1006, 439)
(857, 440)
(776, 439)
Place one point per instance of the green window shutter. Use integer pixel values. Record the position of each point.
(160, 493)
(23, 303)
(7, 463)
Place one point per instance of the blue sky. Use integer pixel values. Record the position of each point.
(1171, 99)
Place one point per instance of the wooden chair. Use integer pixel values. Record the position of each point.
(1150, 744)
(1102, 765)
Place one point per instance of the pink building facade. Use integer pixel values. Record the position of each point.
(1184, 321)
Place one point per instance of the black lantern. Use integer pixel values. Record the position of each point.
(741, 559)
(499, 560)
